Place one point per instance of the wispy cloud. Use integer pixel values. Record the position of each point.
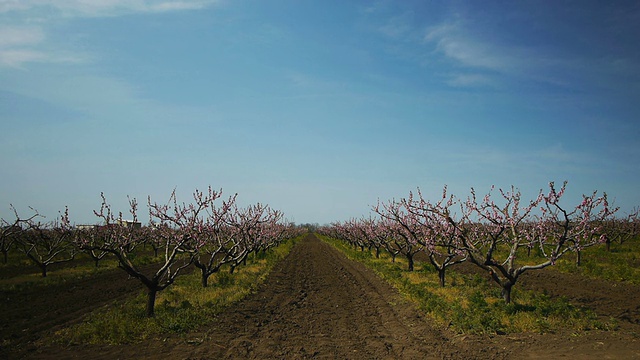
(493, 56)
(98, 8)
(453, 41)
(16, 43)
(20, 36)
(15, 58)
(22, 43)
(398, 26)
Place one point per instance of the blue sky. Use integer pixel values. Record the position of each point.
(317, 108)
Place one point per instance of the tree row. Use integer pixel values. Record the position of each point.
(499, 232)
(208, 232)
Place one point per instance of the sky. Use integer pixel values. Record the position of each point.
(316, 108)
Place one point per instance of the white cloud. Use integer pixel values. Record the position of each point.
(19, 36)
(17, 57)
(454, 42)
(16, 45)
(21, 44)
(12, 5)
(457, 40)
(99, 8)
(397, 26)
(435, 33)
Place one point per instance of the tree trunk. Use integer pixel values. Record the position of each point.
(5, 259)
(578, 258)
(441, 276)
(377, 253)
(205, 279)
(506, 292)
(43, 267)
(151, 302)
(410, 259)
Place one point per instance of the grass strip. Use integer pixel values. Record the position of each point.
(183, 307)
(470, 304)
(621, 264)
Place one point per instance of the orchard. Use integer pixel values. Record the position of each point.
(215, 279)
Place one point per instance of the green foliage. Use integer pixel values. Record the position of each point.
(471, 304)
(477, 316)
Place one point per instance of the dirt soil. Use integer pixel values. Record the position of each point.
(318, 304)
(28, 315)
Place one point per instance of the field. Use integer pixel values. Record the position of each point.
(315, 303)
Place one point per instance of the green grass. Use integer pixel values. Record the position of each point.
(622, 263)
(58, 274)
(470, 304)
(183, 307)
(29, 276)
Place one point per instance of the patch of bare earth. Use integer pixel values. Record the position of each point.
(317, 304)
(28, 315)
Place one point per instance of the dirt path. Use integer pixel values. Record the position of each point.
(316, 304)
(320, 305)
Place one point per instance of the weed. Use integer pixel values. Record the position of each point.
(470, 304)
(620, 264)
(183, 307)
